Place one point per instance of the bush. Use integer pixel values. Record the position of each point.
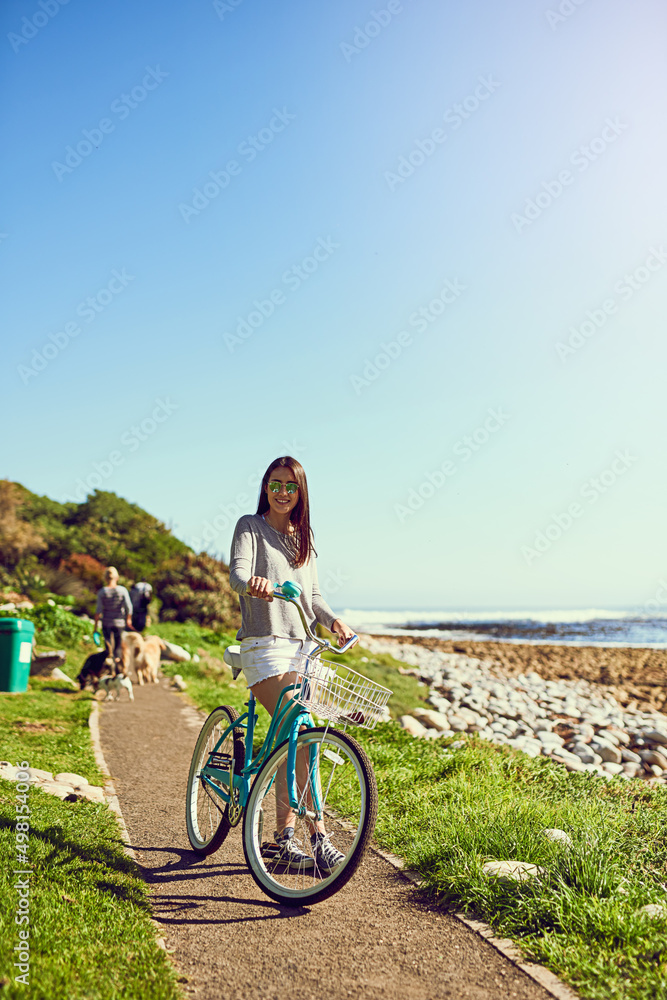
(196, 588)
(53, 624)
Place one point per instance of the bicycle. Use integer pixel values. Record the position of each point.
(335, 783)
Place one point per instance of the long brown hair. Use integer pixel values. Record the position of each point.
(300, 516)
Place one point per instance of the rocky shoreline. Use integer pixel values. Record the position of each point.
(544, 700)
(636, 677)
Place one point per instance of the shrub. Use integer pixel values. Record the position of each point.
(53, 624)
(196, 588)
(88, 569)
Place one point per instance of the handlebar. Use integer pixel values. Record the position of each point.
(289, 591)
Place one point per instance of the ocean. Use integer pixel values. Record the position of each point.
(570, 627)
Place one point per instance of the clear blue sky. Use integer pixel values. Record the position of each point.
(363, 162)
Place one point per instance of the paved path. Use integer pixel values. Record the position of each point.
(372, 939)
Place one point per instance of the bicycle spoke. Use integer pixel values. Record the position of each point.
(348, 797)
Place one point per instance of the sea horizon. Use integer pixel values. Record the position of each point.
(613, 627)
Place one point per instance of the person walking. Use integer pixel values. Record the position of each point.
(276, 544)
(114, 607)
(140, 596)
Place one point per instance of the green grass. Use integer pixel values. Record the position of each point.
(91, 934)
(48, 726)
(447, 812)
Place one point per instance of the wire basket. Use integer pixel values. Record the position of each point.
(332, 691)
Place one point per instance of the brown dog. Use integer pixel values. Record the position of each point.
(147, 665)
(133, 647)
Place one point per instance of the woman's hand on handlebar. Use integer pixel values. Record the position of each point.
(342, 631)
(259, 586)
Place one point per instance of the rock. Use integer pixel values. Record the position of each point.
(512, 871)
(471, 717)
(606, 751)
(174, 652)
(434, 720)
(457, 723)
(37, 775)
(656, 911)
(92, 792)
(558, 836)
(654, 757)
(655, 770)
(584, 732)
(606, 734)
(69, 778)
(571, 763)
(62, 791)
(629, 756)
(632, 770)
(585, 754)
(612, 768)
(58, 675)
(178, 682)
(550, 739)
(456, 745)
(656, 736)
(412, 725)
(43, 663)
(620, 734)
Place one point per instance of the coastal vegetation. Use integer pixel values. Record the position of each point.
(58, 551)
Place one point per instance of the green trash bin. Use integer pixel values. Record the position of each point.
(16, 635)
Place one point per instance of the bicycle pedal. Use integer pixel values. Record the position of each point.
(222, 761)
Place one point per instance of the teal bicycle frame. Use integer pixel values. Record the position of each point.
(285, 723)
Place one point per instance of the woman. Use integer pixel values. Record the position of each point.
(274, 545)
(114, 607)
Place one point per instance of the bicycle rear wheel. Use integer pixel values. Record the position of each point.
(348, 792)
(207, 816)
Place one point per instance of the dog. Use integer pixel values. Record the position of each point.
(133, 648)
(119, 681)
(147, 665)
(99, 670)
(95, 667)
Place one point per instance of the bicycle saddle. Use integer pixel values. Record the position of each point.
(232, 657)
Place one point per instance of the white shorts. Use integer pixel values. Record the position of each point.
(271, 655)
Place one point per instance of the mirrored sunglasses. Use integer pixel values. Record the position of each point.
(275, 486)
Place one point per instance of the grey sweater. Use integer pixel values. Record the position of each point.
(114, 604)
(260, 550)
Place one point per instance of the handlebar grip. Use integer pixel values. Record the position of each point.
(348, 645)
(288, 589)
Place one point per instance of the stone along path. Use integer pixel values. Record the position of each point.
(374, 938)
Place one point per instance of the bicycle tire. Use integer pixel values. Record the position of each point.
(206, 815)
(350, 805)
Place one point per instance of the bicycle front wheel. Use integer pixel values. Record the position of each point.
(207, 815)
(331, 768)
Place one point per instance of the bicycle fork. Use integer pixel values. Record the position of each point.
(313, 785)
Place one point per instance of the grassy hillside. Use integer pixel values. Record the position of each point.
(59, 551)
